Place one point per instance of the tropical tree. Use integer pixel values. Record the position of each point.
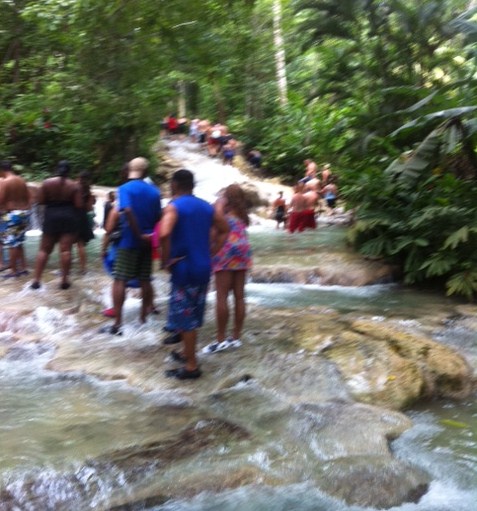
(422, 214)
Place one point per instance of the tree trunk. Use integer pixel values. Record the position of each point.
(181, 100)
(280, 53)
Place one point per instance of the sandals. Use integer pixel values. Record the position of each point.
(113, 330)
(11, 276)
(217, 346)
(172, 339)
(183, 374)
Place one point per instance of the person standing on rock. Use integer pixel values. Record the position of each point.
(279, 210)
(186, 253)
(15, 217)
(61, 197)
(330, 193)
(230, 265)
(310, 170)
(312, 200)
(85, 223)
(139, 205)
(296, 212)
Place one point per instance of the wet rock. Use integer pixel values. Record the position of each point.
(467, 310)
(364, 274)
(333, 427)
(187, 443)
(374, 481)
(363, 472)
(389, 367)
(59, 492)
(253, 196)
(167, 165)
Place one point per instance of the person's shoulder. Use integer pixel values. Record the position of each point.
(203, 205)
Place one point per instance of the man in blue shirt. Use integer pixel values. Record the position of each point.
(186, 252)
(139, 205)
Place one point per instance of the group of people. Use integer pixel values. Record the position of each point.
(196, 240)
(214, 137)
(67, 220)
(308, 194)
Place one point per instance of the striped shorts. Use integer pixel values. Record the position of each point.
(133, 263)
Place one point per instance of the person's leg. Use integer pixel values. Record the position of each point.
(4, 260)
(22, 266)
(147, 299)
(46, 246)
(82, 255)
(223, 284)
(238, 284)
(119, 294)
(143, 273)
(65, 244)
(14, 260)
(189, 340)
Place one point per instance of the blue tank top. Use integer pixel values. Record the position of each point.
(190, 239)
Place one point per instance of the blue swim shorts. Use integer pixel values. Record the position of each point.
(187, 307)
(14, 225)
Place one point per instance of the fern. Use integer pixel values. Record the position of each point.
(457, 237)
(463, 283)
(439, 264)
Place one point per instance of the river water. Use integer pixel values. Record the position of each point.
(73, 402)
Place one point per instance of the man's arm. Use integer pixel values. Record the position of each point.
(111, 225)
(131, 218)
(2, 196)
(168, 221)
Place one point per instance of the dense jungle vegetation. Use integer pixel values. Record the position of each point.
(383, 90)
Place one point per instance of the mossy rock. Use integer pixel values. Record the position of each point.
(392, 368)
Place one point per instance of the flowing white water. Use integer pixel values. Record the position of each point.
(211, 175)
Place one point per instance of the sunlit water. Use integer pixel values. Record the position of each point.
(52, 425)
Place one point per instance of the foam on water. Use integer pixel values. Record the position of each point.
(305, 497)
(209, 174)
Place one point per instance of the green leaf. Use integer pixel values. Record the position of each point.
(459, 236)
(439, 264)
(434, 117)
(463, 283)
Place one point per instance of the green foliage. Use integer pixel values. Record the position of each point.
(423, 218)
(384, 91)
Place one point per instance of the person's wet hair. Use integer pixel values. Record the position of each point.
(236, 200)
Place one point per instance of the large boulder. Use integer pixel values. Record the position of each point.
(384, 365)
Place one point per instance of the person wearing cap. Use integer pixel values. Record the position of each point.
(139, 206)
